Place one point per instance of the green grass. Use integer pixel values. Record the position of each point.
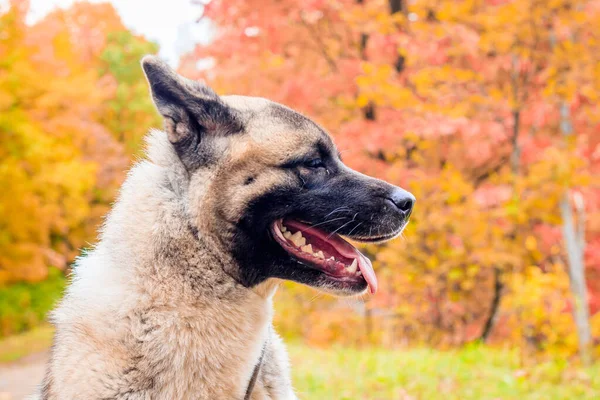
(476, 373)
(25, 305)
(15, 347)
(473, 373)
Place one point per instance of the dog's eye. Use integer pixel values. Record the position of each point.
(314, 163)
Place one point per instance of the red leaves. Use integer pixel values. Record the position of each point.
(461, 97)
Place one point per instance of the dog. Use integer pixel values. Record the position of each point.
(235, 195)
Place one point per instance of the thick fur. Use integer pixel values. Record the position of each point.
(175, 301)
(151, 312)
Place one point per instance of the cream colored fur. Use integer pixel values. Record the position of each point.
(151, 312)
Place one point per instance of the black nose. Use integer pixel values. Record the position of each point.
(403, 200)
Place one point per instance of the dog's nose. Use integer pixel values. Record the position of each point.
(403, 200)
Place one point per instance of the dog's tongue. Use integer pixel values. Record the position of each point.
(366, 268)
(344, 248)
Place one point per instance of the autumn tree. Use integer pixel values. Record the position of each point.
(71, 108)
(460, 101)
(130, 111)
(39, 146)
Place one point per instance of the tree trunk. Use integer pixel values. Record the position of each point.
(515, 161)
(396, 6)
(515, 157)
(575, 245)
(495, 306)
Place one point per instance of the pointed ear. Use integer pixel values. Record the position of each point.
(192, 112)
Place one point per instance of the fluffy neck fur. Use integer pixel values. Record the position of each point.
(161, 298)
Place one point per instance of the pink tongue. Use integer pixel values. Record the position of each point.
(367, 270)
(344, 248)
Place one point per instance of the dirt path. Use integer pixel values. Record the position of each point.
(19, 379)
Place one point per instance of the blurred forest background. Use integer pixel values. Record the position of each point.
(487, 110)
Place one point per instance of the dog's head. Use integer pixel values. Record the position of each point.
(269, 185)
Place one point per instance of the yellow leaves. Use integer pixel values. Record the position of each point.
(562, 79)
(435, 81)
(455, 10)
(473, 270)
(375, 72)
(589, 91)
(432, 261)
(467, 285)
(362, 100)
(275, 61)
(455, 186)
(59, 161)
(455, 274)
(502, 43)
(372, 18)
(538, 301)
(530, 243)
(63, 48)
(496, 94)
(423, 80)
(540, 187)
(378, 86)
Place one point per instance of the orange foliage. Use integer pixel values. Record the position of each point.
(60, 160)
(460, 102)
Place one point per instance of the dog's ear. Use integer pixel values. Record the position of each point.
(192, 112)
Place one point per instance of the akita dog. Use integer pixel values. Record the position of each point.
(236, 194)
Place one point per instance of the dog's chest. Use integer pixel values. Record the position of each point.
(210, 354)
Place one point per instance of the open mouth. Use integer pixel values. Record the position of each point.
(326, 252)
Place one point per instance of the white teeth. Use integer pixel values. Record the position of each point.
(307, 248)
(352, 267)
(331, 259)
(295, 238)
(287, 234)
(320, 254)
(283, 229)
(358, 273)
(298, 239)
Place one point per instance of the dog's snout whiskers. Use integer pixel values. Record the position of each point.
(339, 209)
(353, 229)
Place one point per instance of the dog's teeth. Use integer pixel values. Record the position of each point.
(358, 273)
(307, 248)
(331, 259)
(283, 229)
(287, 234)
(297, 239)
(320, 254)
(352, 267)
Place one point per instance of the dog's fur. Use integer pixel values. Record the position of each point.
(175, 301)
